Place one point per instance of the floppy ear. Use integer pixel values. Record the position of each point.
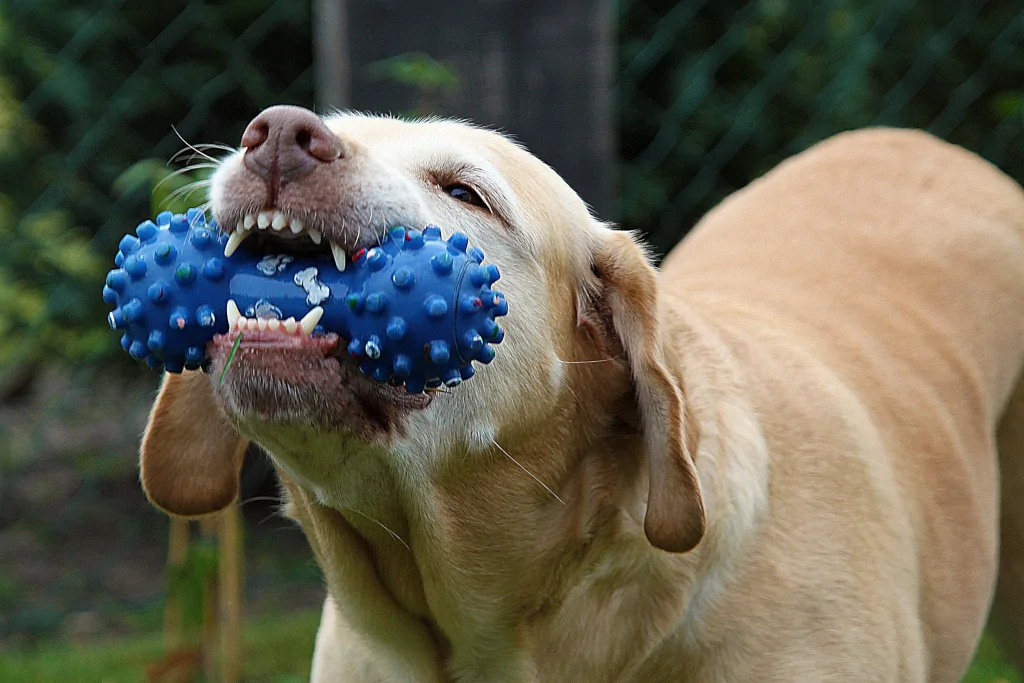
(191, 453)
(627, 291)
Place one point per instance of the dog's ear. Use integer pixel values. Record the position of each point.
(191, 454)
(623, 296)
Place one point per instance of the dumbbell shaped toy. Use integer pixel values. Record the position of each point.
(416, 311)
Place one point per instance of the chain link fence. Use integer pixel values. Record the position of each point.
(88, 90)
(710, 95)
(713, 94)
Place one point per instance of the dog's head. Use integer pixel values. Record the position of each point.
(580, 293)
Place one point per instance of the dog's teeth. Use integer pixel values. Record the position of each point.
(290, 325)
(252, 324)
(273, 324)
(280, 221)
(264, 219)
(239, 226)
(339, 256)
(261, 324)
(310, 320)
(315, 235)
(249, 221)
(297, 225)
(234, 240)
(233, 314)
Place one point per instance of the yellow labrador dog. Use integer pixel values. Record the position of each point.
(773, 460)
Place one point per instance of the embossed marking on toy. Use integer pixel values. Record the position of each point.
(316, 291)
(274, 263)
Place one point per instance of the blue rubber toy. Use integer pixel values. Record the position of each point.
(415, 311)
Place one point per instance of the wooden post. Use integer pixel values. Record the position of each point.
(211, 619)
(177, 552)
(230, 584)
(331, 65)
(540, 69)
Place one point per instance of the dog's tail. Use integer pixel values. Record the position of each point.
(1007, 619)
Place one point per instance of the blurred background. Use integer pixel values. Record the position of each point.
(653, 109)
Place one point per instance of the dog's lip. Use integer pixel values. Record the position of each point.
(327, 346)
(278, 341)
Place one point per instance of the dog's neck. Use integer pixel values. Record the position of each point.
(497, 569)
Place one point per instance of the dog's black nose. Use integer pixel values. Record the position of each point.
(285, 143)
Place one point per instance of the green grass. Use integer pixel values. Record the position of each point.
(990, 666)
(278, 650)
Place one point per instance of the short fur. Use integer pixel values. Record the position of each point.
(773, 460)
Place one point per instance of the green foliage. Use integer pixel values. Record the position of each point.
(428, 78)
(89, 92)
(990, 666)
(168, 190)
(415, 69)
(714, 94)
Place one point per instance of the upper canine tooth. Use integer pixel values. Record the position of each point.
(339, 256)
(263, 220)
(280, 221)
(234, 240)
(310, 320)
(249, 221)
(315, 235)
(233, 314)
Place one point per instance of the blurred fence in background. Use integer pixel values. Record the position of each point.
(95, 97)
(714, 93)
(709, 95)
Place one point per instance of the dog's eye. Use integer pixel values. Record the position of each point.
(466, 194)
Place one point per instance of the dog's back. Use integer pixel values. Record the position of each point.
(898, 260)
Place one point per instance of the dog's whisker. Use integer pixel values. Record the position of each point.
(381, 525)
(585, 362)
(215, 145)
(187, 190)
(194, 166)
(532, 475)
(187, 169)
(191, 157)
(191, 146)
(256, 499)
(267, 518)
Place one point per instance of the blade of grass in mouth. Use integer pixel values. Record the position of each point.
(231, 358)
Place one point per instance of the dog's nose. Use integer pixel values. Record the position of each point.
(285, 143)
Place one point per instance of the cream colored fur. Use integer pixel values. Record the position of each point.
(774, 460)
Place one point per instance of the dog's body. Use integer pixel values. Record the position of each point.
(773, 461)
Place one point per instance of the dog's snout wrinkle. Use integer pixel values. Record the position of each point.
(286, 143)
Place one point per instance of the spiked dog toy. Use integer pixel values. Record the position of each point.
(416, 311)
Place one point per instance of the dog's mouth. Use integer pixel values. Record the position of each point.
(290, 370)
(275, 231)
